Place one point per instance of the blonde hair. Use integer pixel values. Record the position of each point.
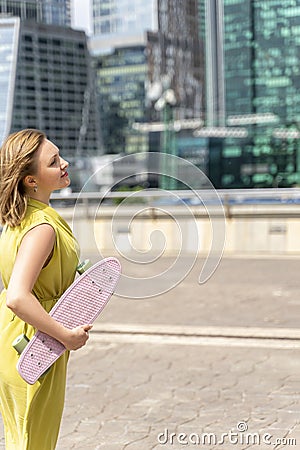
(17, 160)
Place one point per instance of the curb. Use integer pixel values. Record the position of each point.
(192, 331)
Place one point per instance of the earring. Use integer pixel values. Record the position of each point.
(35, 188)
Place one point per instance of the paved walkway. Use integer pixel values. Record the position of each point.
(214, 366)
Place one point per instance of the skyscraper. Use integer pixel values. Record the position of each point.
(122, 22)
(121, 85)
(53, 87)
(141, 47)
(47, 82)
(252, 80)
(175, 54)
(55, 12)
(9, 38)
(212, 35)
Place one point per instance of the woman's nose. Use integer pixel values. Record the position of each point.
(63, 163)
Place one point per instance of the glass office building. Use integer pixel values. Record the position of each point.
(121, 86)
(47, 83)
(267, 78)
(175, 56)
(115, 18)
(118, 23)
(132, 60)
(55, 12)
(118, 46)
(9, 38)
(253, 66)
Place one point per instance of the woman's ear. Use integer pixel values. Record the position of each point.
(29, 182)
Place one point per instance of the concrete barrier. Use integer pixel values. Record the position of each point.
(250, 229)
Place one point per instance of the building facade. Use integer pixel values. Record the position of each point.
(54, 87)
(120, 83)
(252, 49)
(9, 44)
(55, 12)
(123, 17)
(121, 22)
(137, 64)
(175, 56)
(47, 83)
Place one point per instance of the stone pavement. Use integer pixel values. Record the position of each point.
(214, 366)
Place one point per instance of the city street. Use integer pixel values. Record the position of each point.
(212, 366)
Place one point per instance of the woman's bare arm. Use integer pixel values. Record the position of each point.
(33, 253)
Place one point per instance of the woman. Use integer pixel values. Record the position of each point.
(38, 260)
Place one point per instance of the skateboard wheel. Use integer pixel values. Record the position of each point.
(20, 343)
(82, 267)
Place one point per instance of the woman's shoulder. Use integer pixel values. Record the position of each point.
(14, 235)
(36, 214)
(35, 217)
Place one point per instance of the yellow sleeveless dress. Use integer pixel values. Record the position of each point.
(32, 414)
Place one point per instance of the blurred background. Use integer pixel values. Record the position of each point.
(216, 82)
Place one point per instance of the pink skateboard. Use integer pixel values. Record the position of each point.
(80, 304)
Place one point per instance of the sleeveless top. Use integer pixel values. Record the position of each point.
(32, 413)
(59, 273)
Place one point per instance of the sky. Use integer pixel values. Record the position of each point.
(81, 15)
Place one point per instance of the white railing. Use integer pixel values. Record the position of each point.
(226, 196)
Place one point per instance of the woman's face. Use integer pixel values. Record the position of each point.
(51, 169)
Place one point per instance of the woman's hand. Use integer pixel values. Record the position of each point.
(76, 337)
